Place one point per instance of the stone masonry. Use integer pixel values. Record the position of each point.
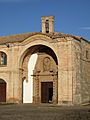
(67, 65)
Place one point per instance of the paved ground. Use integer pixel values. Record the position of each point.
(43, 112)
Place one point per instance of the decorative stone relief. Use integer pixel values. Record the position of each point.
(46, 64)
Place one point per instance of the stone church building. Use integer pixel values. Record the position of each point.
(61, 74)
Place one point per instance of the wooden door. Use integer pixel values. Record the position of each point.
(46, 91)
(3, 92)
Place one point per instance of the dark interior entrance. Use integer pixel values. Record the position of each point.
(2, 91)
(46, 92)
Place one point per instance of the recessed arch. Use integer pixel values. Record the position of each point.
(33, 49)
(38, 48)
(37, 39)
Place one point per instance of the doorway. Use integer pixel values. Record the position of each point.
(46, 92)
(2, 91)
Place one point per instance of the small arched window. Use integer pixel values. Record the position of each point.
(3, 59)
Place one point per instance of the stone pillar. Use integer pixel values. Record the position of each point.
(51, 24)
(25, 67)
(43, 25)
(55, 89)
(36, 88)
(20, 86)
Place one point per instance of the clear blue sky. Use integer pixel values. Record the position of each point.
(19, 16)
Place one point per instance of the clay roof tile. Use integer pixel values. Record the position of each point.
(22, 37)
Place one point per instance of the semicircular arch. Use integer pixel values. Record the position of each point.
(35, 38)
(31, 44)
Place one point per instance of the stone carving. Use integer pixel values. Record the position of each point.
(46, 64)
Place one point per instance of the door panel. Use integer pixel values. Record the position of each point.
(2, 92)
(46, 92)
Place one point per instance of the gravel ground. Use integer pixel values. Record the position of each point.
(43, 112)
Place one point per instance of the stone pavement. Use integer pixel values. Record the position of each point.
(43, 112)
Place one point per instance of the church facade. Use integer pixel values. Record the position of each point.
(61, 74)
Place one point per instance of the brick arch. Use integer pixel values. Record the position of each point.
(37, 39)
(31, 45)
(33, 49)
(26, 50)
(26, 55)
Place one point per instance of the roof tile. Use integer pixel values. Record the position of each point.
(22, 37)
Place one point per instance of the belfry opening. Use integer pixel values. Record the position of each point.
(41, 84)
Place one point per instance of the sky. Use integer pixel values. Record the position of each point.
(21, 16)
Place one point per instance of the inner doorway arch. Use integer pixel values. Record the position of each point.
(2, 90)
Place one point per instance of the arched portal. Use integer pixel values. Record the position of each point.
(45, 72)
(2, 90)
